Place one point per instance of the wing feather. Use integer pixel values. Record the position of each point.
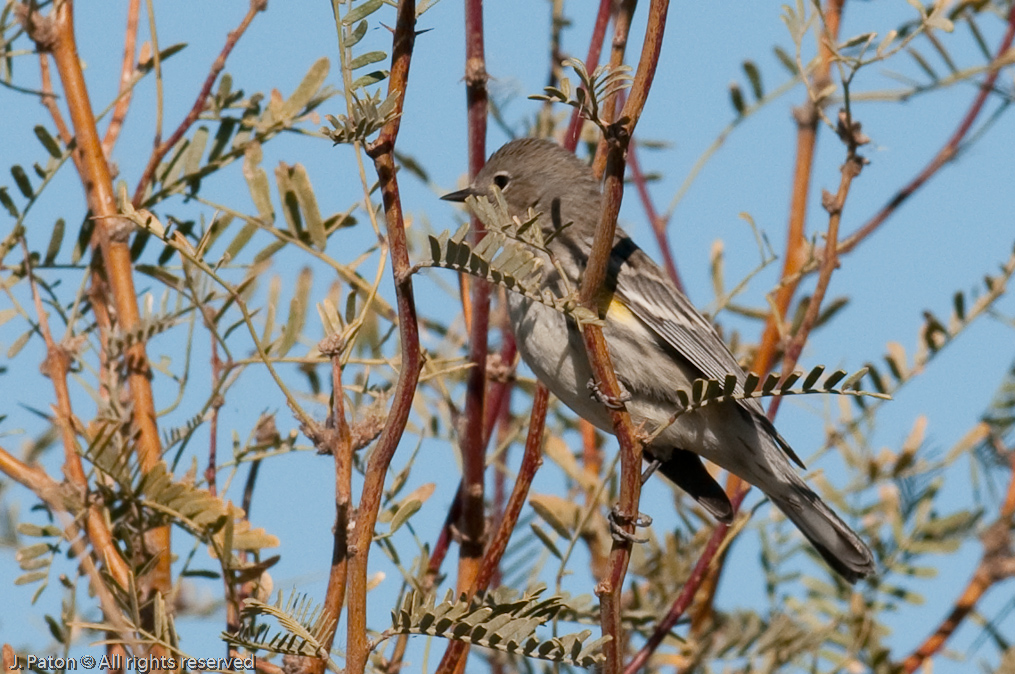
(652, 297)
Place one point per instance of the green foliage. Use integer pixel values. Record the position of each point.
(705, 391)
(304, 627)
(594, 90)
(368, 114)
(242, 124)
(512, 254)
(502, 620)
(36, 559)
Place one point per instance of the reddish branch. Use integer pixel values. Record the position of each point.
(470, 500)
(161, 148)
(382, 153)
(497, 398)
(850, 132)
(338, 437)
(49, 101)
(472, 516)
(610, 587)
(126, 75)
(686, 596)
(57, 368)
(574, 128)
(454, 657)
(56, 496)
(621, 29)
(659, 224)
(807, 119)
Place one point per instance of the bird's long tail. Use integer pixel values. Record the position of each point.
(839, 545)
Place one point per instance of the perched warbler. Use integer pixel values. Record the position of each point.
(658, 342)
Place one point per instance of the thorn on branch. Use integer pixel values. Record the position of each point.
(324, 438)
(58, 359)
(403, 277)
(463, 539)
(365, 431)
(475, 72)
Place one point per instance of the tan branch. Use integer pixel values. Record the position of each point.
(112, 233)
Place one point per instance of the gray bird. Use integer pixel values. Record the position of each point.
(659, 343)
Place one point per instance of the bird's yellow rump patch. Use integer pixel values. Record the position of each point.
(617, 310)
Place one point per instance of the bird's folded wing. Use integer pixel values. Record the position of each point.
(651, 296)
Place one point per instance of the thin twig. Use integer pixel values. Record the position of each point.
(807, 119)
(126, 75)
(850, 169)
(532, 459)
(49, 101)
(944, 155)
(342, 451)
(57, 367)
(43, 486)
(659, 224)
(621, 28)
(147, 176)
(499, 397)
(574, 127)
(687, 592)
(996, 564)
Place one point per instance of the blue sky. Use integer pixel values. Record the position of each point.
(945, 240)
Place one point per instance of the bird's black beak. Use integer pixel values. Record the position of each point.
(460, 195)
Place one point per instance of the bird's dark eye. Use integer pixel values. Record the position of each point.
(501, 180)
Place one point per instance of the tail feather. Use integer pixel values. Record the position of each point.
(839, 545)
(686, 470)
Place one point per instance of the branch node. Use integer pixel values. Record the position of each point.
(499, 370)
(805, 116)
(475, 72)
(830, 203)
(41, 29)
(332, 346)
(850, 131)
